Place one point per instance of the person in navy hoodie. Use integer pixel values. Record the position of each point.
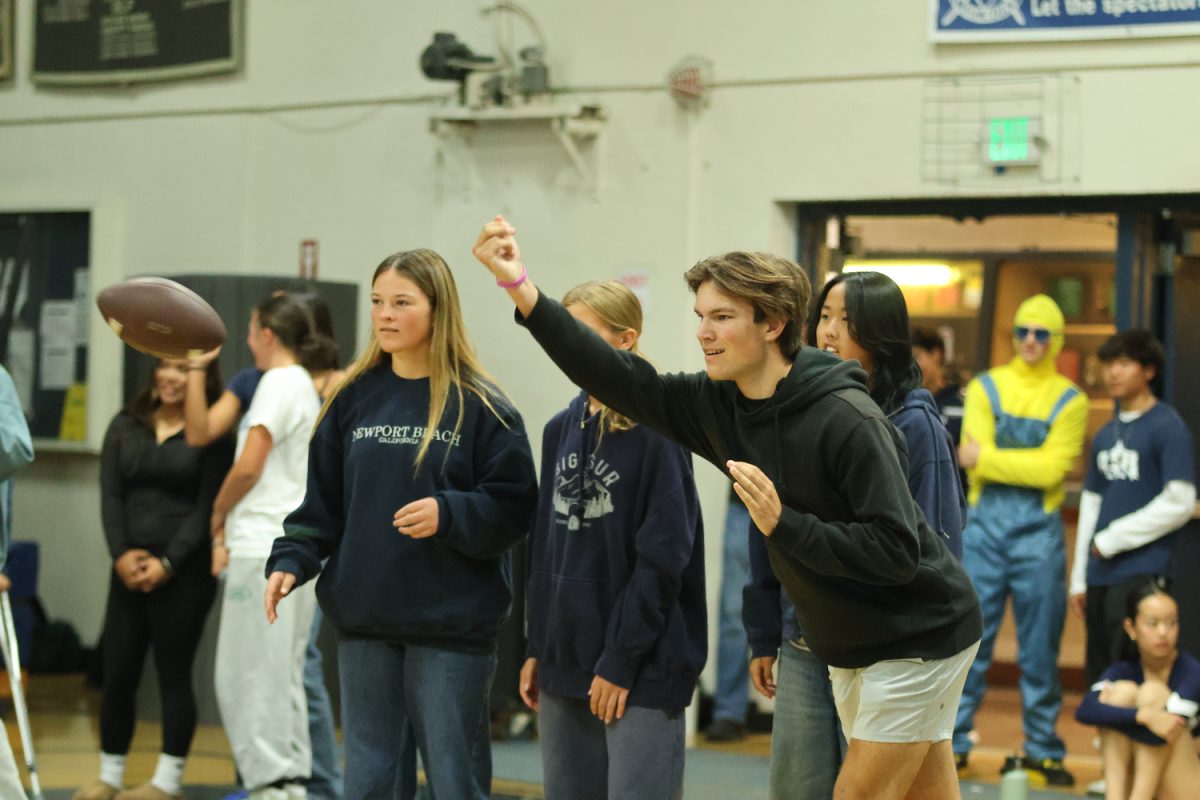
(860, 316)
(420, 480)
(617, 627)
(1146, 705)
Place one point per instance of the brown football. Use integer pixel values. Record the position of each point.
(161, 317)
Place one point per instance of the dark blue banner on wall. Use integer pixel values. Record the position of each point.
(127, 41)
(1025, 20)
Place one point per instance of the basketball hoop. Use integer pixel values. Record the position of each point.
(689, 82)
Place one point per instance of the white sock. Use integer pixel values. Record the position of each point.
(168, 775)
(112, 769)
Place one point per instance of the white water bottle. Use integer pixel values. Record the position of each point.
(1014, 785)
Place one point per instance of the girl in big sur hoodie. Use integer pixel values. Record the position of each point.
(617, 628)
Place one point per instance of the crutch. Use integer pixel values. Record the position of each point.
(12, 659)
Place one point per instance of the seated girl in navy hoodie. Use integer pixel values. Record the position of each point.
(420, 479)
(617, 628)
(1146, 706)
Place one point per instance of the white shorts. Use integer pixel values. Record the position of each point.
(901, 701)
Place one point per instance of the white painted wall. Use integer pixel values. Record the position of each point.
(324, 135)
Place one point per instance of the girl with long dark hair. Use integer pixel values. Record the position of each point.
(859, 316)
(156, 495)
(863, 316)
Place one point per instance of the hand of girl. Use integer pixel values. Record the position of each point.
(968, 453)
(607, 700)
(153, 575)
(1078, 604)
(220, 558)
(200, 363)
(418, 519)
(278, 586)
(762, 675)
(758, 493)
(1162, 723)
(129, 567)
(496, 248)
(528, 685)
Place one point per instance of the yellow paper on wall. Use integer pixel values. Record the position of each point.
(73, 427)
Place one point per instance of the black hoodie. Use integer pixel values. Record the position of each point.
(870, 580)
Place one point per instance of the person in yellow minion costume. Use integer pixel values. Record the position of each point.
(1023, 428)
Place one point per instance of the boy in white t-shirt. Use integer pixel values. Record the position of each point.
(259, 667)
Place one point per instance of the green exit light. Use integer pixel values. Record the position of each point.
(1012, 140)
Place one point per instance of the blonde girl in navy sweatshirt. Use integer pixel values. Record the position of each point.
(617, 628)
(420, 480)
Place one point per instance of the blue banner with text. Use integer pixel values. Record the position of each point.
(1023, 20)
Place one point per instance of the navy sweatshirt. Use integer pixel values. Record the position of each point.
(933, 476)
(616, 569)
(870, 579)
(1184, 683)
(451, 590)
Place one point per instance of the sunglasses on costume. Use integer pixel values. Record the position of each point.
(1040, 334)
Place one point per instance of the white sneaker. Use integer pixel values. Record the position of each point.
(296, 791)
(269, 793)
(1096, 788)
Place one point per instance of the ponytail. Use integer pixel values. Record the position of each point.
(318, 353)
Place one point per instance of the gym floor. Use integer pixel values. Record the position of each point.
(64, 720)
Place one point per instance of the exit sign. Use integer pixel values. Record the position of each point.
(1012, 141)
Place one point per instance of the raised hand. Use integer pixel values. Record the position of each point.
(496, 248)
(201, 361)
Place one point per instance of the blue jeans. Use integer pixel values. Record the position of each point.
(733, 661)
(399, 699)
(807, 746)
(1029, 563)
(326, 780)
(638, 757)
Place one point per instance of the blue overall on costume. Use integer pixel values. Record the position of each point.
(1011, 545)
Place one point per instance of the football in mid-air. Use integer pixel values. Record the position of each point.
(161, 317)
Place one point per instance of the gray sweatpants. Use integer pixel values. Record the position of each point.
(638, 757)
(259, 676)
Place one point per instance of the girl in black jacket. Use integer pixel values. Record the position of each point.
(156, 495)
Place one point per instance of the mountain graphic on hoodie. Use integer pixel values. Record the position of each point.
(592, 502)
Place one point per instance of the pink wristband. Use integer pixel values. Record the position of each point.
(515, 282)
